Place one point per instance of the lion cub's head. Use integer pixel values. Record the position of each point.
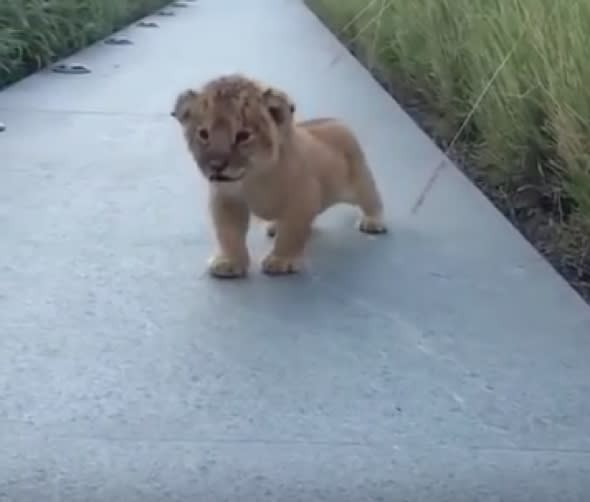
(234, 125)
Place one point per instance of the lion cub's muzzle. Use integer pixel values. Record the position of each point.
(220, 171)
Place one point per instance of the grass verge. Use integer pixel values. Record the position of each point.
(34, 33)
(527, 145)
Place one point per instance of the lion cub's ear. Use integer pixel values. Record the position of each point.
(181, 111)
(280, 107)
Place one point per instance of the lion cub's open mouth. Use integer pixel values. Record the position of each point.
(220, 178)
(223, 178)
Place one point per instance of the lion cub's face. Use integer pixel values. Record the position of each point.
(233, 126)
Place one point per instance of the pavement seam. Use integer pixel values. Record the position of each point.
(85, 112)
(304, 442)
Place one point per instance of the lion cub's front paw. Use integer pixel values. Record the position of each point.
(226, 268)
(276, 265)
(372, 225)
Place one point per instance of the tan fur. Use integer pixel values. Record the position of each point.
(259, 161)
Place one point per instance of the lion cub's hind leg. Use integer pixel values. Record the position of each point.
(367, 198)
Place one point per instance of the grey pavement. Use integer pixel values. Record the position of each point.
(445, 361)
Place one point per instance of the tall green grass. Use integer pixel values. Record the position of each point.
(532, 128)
(34, 33)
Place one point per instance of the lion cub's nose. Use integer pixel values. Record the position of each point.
(218, 165)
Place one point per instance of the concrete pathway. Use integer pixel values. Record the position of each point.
(444, 362)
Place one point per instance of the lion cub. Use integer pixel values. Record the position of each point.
(259, 161)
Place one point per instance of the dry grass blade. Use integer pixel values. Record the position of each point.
(486, 88)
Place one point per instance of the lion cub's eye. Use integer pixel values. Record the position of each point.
(203, 134)
(243, 136)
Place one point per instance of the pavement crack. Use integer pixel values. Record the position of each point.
(422, 196)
